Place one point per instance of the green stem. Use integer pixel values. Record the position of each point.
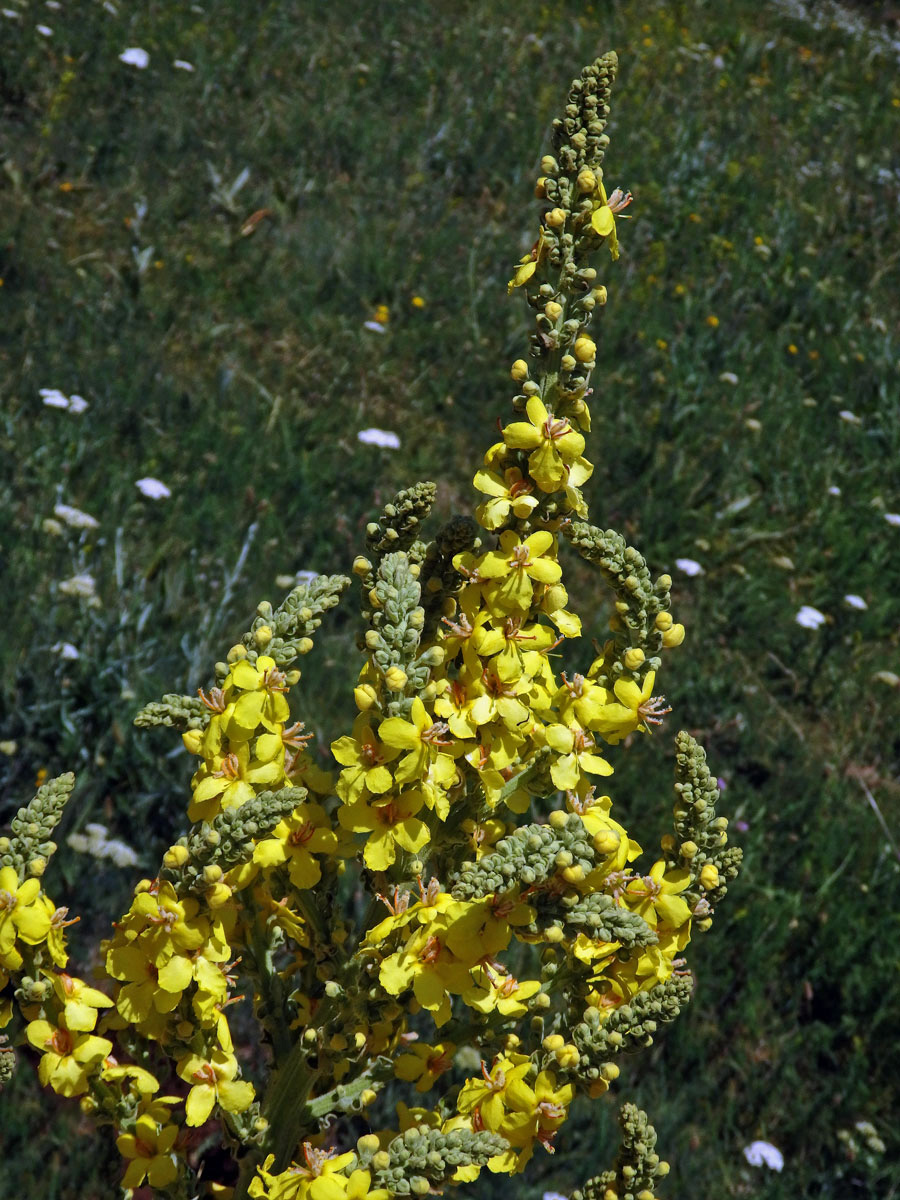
(271, 990)
(285, 1107)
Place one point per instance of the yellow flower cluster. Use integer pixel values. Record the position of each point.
(466, 799)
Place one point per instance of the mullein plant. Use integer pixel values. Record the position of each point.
(449, 936)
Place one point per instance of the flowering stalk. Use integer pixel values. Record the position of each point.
(454, 907)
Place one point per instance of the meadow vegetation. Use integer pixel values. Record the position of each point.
(305, 230)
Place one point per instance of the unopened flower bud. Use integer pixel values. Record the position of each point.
(539, 189)
(587, 180)
(673, 637)
(585, 349)
(212, 873)
(568, 363)
(367, 1096)
(304, 645)
(175, 857)
(663, 621)
(373, 639)
(688, 849)
(519, 370)
(381, 1160)
(37, 866)
(218, 895)
(361, 565)
(600, 294)
(365, 696)
(552, 310)
(396, 678)
(573, 874)
(558, 819)
(556, 218)
(368, 1144)
(553, 1042)
(633, 658)
(606, 842)
(263, 636)
(236, 653)
(193, 740)
(709, 877)
(549, 165)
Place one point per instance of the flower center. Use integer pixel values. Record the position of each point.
(434, 735)
(556, 428)
(299, 837)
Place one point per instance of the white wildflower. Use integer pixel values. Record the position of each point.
(9, 748)
(892, 518)
(379, 437)
(74, 517)
(809, 617)
(183, 65)
(728, 377)
(77, 404)
(850, 417)
(834, 490)
(375, 326)
(45, 30)
(855, 601)
(83, 586)
(134, 56)
(759, 1154)
(54, 398)
(689, 566)
(66, 650)
(94, 841)
(153, 488)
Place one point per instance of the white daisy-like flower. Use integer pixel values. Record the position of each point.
(809, 617)
(74, 517)
(77, 404)
(379, 437)
(82, 585)
(892, 518)
(183, 65)
(689, 566)
(134, 56)
(855, 601)
(54, 398)
(153, 488)
(764, 1154)
(66, 651)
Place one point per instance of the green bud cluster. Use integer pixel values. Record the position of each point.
(701, 837)
(631, 1026)
(530, 856)
(421, 1156)
(638, 599)
(30, 847)
(439, 578)
(398, 526)
(578, 137)
(175, 712)
(596, 915)
(638, 1168)
(397, 620)
(229, 838)
(7, 1061)
(286, 632)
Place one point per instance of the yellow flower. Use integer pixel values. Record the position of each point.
(553, 443)
(363, 758)
(637, 708)
(150, 1150)
(576, 749)
(424, 739)
(213, 1082)
(513, 643)
(229, 781)
(515, 567)
(423, 1064)
(68, 1058)
(656, 896)
(21, 915)
(389, 824)
(80, 1002)
(510, 492)
(307, 831)
(426, 965)
(528, 264)
(603, 219)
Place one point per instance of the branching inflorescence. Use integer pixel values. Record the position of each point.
(453, 914)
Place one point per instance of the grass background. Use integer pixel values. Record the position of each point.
(393, 148)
